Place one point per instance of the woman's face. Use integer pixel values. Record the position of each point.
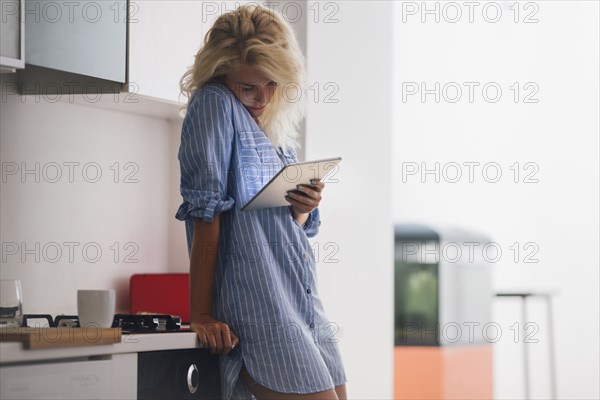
(252, 88)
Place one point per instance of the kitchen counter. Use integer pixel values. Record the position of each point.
(12, 353)
(141, 366)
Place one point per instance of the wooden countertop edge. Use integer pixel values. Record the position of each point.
(14, 353)
(49, 338)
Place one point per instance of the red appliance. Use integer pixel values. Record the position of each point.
(160, 294)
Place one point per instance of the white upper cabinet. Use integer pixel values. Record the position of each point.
(12, 27)
(164, 38)
(144, 53)
(82, 37)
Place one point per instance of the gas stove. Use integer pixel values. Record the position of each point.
(129, 323)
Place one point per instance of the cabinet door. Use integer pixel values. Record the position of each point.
(12, 45)
(178, 374)
(164, 38)
(83, 37)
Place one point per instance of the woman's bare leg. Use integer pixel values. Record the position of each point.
(341, 392)
(263, 393)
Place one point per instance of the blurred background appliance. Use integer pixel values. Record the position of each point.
(443, 298)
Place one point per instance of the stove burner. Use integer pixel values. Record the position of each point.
(140, 323)
(129, 323)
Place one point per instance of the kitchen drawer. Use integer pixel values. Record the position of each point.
(178, 374)
(81, 380)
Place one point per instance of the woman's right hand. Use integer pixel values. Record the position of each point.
(214, 335)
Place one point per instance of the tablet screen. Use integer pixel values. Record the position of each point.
(274, 192)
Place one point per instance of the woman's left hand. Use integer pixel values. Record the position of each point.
(305, 198)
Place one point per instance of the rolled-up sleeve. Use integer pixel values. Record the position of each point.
(204, 158)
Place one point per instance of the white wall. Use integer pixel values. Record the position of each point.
(96, 214)
(356, 283)
(559, 133)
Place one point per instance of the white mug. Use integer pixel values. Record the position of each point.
(96, 308)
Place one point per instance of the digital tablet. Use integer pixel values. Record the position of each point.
(274, 192)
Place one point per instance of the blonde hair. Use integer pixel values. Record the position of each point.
(257, 36)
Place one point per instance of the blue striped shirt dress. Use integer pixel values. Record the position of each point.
(265, 278)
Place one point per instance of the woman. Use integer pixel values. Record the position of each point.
(252, 273)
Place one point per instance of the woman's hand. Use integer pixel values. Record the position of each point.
(305, 198)
(214, 335)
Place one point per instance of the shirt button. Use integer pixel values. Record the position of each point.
(308, 290)
(312, 325)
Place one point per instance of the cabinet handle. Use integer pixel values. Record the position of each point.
(190, 378)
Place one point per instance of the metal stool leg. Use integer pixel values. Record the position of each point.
(525, 349)
(552, 355)
(551, 344)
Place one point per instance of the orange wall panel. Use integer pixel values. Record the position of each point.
(433, 373)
